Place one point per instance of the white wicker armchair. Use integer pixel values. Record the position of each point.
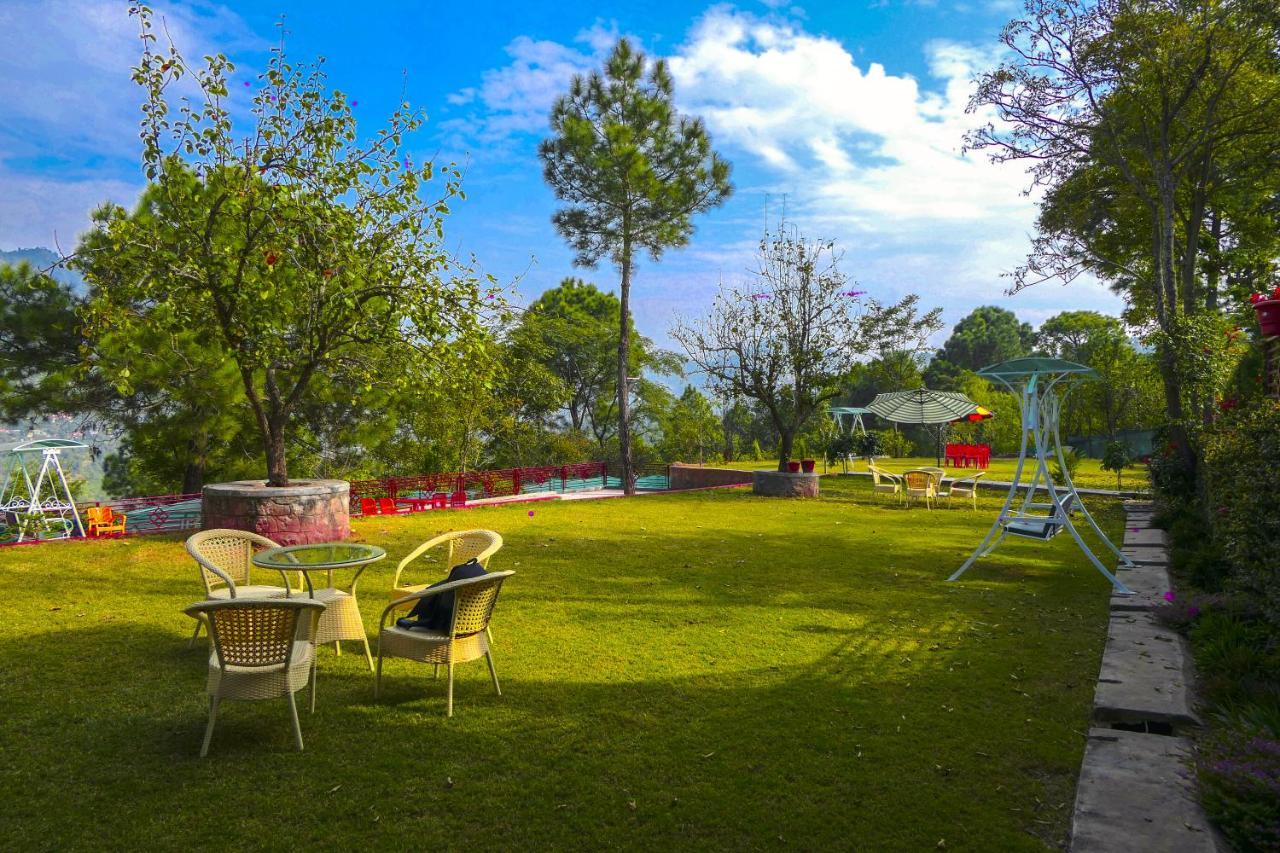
(465, 640)
(225, 558)
(262, 649)
(462, 545)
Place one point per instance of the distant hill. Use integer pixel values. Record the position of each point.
(42, 258)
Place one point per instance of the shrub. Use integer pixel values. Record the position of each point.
(895, 444)
(1115, 457)
(757, 453)
(870, 445)
(1072, 457)
(1242, 455)
(1240, 784)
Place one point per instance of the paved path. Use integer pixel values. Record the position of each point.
(1137, 788)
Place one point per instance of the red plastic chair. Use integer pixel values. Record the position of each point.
(458, 498)
(439, 500)
(387, 506)
(368, 506)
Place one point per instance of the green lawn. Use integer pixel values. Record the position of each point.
(1089, 475)
(709, 670)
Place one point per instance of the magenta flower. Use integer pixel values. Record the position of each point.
(1168, 596)
(1193, 611)
(531, 513)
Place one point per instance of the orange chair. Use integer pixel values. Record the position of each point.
(103, 520)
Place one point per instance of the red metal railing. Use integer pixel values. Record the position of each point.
(480, 484)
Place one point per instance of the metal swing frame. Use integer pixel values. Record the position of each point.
(1042, 386)
(57, 507)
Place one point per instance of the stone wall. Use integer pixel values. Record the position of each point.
(303, 512)
(780, 484)
(698, 477)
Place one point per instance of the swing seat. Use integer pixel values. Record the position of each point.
(1043, 529)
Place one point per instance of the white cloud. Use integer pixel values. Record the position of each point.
(66, 65)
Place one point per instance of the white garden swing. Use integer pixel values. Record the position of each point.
(1042, 384)
(43, 506)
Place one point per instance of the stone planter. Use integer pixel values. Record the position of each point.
(303, 512)
(784, 484)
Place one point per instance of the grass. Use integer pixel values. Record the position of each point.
(1088, 476)
(709, 670)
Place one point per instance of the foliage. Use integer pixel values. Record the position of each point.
(1172, 205)
(1242, 454)
(1072, 458)
(987, 335)
(870, 444)
(1115, 457)
(789, 337)
(39, 342)
(690, 429)
(1239, 772)
(633, 173)
(301, 250)
(896, 444)
(757, 452)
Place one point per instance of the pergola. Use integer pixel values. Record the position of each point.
(48, 494)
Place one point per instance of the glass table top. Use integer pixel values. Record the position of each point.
(324, 555)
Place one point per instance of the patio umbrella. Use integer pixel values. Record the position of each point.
(977, 415)
(923, 406)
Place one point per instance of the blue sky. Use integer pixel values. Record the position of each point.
(848, 115)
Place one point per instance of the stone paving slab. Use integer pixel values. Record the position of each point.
(1139, 506)
(1146, 555)
(1137, 793)
(1149, 584)
(1145, 674)
(1145, 536)
(1140, 519)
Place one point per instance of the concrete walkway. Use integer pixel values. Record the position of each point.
(1137, 786)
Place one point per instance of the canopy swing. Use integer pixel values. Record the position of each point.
(1042, 385)
(856, 426)
(48, 496)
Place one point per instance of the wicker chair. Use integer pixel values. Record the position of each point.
(463, 545)
(262, 649)
(885, 483)
(965, 487)
(225, 560)
(466, 639)
(919, 485)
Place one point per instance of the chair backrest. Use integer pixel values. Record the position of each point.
(876, 473)
(368, 506)
(254, 632)
(98, 514)
(918, 480)
(225, 556)
(463, 545)
(386, 506)
(473, 603)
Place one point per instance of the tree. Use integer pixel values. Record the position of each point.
(1116, 458)
(790, 337)
(1149, 124)
(40, 342)
(299, 249)
(690, 428)
(988, 335)
(633, 172)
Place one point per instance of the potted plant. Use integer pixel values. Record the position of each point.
(793, 467)
(806, 465)
(1268, 308)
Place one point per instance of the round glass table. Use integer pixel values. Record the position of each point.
(341, 617)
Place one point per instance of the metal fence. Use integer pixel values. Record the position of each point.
(476, 485)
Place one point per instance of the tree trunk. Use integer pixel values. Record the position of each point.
(624, 358)
(277, 465)
(788, 438)
(193, 474)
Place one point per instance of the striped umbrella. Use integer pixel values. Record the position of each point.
(923, 406)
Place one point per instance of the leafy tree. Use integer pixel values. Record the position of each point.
(1115, 457)
(633, 172)
(988, 335)
(790, 337)
(1153, 128)
(690, 428)
(299, 249)
(40, 340)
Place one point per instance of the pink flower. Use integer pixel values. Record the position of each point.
(1168, 596)
(531, 513)
(1193, 611)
